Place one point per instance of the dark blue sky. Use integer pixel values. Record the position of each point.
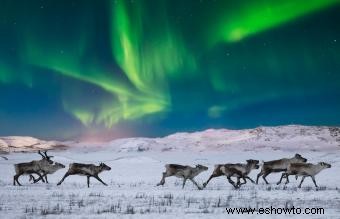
(100, 70)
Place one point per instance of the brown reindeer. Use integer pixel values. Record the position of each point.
(89, 170)
(35, 166)
(304, 170)
(48, 169)
(234, 170)
(278, 166)
(185, 172)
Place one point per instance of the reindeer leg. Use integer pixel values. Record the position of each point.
(264, 177)
(303, 178)
(258, 176)
(238, 182)
(194, 182)
(62, 180)
(88, 181)
(46, 177)
(163, 179)
(313, 178)
(184, 181)
(251, 180)
(32, 178)
(279, 182)
(287, 178)
(212, 176)
(97, 177)
(16, 179)
(41, 177)
(245, 181)
(231, 182)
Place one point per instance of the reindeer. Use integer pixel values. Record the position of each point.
(304, 170)
(48, 169)
(275, 166)
(244, 169)
(35, 166)
(89, 170)
(237, 170)
(185, 172)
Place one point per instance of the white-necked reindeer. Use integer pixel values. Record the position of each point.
(89, 170)
(304, 170)
(35, 166)
(185, 172)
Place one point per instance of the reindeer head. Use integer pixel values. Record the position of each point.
(59, 165)
(299, 159)
(46, 157)
(254, 164)
(324, 165)
(201, 167)
(104, 166)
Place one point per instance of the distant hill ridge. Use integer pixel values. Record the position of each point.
(289, 137)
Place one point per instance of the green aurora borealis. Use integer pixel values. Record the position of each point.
(149, 68)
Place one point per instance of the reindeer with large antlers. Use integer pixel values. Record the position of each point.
(35, 166)
(47, 169)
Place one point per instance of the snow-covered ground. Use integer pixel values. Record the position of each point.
(137, 168)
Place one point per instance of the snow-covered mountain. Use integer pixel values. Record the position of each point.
(290, 137)
(23, 143)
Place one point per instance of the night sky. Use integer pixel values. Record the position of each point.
(105, 69)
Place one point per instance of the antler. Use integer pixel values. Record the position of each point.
(48, 157)
(39, 152)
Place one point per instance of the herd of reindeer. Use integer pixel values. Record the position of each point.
(296, 165)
